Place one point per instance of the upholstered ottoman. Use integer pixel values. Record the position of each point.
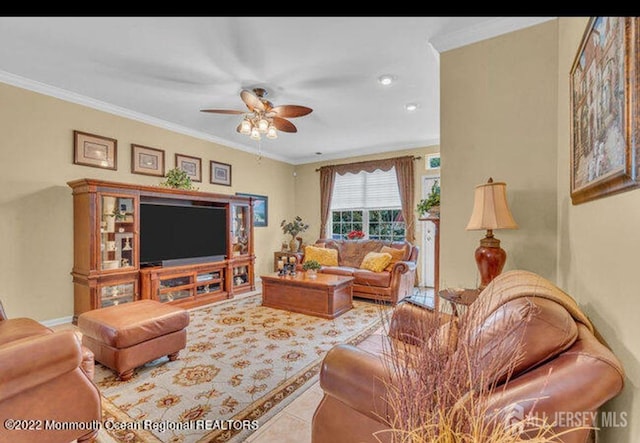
(129, 335)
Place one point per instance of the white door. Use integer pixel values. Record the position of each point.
(428, 239)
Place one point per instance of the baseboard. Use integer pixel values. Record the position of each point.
(57, 321)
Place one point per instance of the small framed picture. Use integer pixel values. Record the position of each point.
(432, 161)
(147, 161)
(220, 173)
(95, 150)
(191, 165)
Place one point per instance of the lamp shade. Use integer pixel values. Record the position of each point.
(490, 208)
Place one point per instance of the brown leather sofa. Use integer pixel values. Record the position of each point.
(564, 368)
(43, 384)
(391, 286)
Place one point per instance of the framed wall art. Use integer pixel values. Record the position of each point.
(432, 161)
(95, 150)
(604, 110)
(147, 161)
(260, 209)
(191, 165)
(220, 174)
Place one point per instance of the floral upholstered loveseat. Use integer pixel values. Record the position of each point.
(351, 258)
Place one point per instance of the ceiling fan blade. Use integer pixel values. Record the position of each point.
(284, 125)
(290, 111)
(251, 100)
(223, 111)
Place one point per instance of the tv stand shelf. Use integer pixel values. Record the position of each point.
(187, 286)
(107, 230)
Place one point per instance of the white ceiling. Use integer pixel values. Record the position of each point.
(163, 70)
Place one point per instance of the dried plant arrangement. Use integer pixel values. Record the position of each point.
(442, 380)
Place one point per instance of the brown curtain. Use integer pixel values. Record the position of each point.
(404, 174)
(327, 178)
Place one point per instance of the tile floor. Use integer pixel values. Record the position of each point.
(293, 423)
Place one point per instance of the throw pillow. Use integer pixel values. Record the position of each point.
(396, 255)
(376, 261)
(324, 256)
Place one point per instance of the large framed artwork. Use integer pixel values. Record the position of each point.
(260, 208)
(604, 110)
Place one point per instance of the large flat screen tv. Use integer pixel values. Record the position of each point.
(170, 234)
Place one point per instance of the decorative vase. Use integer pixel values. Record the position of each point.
(312, 273)
(293, 244)
(434, 211)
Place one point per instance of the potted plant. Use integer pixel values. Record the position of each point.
(293, 228)
(431, 204)
(176, 178)
(311, 267)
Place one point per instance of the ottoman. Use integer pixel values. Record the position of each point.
(126, 336)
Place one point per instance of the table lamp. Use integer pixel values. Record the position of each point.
(490, 211)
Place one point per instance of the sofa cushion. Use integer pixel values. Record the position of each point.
(397, 254)
(376, 261)
(540, 328)
(369, 278)
(338, 270)
(324, 256)
(352, 252)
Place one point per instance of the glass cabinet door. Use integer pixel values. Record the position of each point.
(240, 229)
(115, 294)
(117, 241)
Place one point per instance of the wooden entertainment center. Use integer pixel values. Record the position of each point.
(106, 258)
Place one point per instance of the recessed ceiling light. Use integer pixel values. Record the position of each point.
(411, 107)
(386, 79)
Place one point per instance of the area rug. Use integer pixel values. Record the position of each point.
(242, 364)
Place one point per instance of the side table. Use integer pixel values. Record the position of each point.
(284, 256)
(459, 297)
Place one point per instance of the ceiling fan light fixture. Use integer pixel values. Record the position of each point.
(272, 133)
(245, 127)
(263, 125)
(255, 134)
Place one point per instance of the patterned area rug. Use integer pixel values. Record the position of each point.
(242, 364)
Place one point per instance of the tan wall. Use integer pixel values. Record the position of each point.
(598, 253)
(308, 186)
(36, 205)
(498, 119)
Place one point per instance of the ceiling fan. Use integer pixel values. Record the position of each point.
(263, 117)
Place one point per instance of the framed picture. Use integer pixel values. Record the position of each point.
(191, 165)
(220, 173)
(147, 161)
(432, 161)
(604, 110)
(95, 150)
(260, 209)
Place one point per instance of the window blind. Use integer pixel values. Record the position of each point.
(366, 190)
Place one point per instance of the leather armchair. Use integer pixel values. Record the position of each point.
(42, 381)
(564, 369)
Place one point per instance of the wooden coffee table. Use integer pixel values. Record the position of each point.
(326, 295)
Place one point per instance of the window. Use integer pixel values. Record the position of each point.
(368, 202)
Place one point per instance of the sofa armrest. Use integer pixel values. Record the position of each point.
(402, 267)
(32, 361)
(413, 324)
(358, 379)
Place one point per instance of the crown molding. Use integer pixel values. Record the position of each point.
(63, 94)
(483, 31)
